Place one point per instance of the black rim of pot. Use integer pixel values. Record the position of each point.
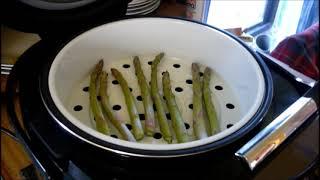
(253, 122)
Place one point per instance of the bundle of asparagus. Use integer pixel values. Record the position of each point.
(161, 114)
(211, 112)
(198, 114)
(120, 125)
(177, 121)
(101, 123)
(202, 103)
(131, 105)
(150, 124)
(202, 95)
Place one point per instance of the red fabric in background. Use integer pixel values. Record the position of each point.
(301, 51)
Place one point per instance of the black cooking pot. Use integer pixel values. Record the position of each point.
(78, 56)
(59, 18)
(144, 36)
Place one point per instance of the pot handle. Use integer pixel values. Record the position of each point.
(14, 120)
(273, 135)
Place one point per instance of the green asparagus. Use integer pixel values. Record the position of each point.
(161, 115)
(212, 116)
(198, 111)
(146, 98)
(177, 121)
(101, 123)
(131, 105)
(120, 125)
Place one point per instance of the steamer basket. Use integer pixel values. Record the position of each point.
(240, 83)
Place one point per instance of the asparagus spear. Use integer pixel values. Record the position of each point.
(161, 114)
(212, 116)
(131, 105)
(146, 98)
(177, 121)
(101, 123)
(198, 116)
(121, 126)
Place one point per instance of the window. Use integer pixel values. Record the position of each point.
(276, 18)
(283, 26)
(252, 16)
(231, 14)
(302, 15)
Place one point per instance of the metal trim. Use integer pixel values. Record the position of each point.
(272, 136)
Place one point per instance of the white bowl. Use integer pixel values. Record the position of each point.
(234, 65)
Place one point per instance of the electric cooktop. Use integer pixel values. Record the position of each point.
(59, 155)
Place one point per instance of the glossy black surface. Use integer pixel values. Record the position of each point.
(60, 23)
(63, 155)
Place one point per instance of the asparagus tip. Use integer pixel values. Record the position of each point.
(160, 56)
(166, 73)
(99, 66)
(135, 58)
(207, 70)
(195, 66)
(113, 70)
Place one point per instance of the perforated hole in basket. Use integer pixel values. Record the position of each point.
(226, 104)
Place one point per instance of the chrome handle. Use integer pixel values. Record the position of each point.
(266, 141)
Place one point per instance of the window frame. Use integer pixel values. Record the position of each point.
(268, 17)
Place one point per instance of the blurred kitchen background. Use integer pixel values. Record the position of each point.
(275, 18)
(272, 20)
